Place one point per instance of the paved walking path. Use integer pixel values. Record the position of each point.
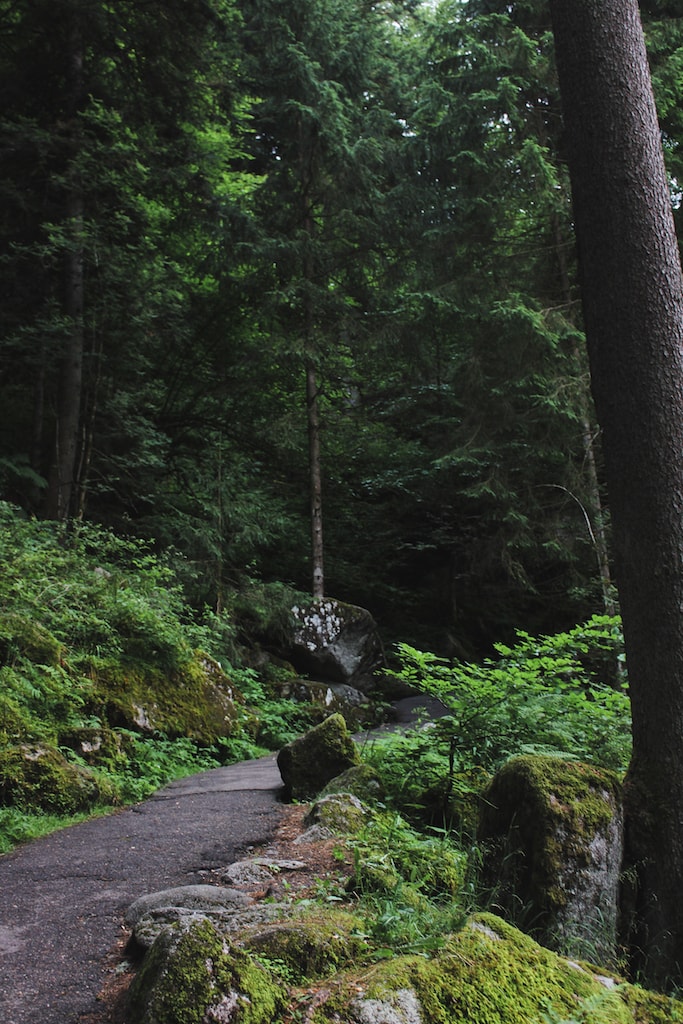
(62, 898)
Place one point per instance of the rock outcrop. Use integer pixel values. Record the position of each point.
(317, 963)
(552, 832)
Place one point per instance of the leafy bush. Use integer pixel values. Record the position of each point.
(542, 695)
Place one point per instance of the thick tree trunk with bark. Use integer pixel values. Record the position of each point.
(632, 292)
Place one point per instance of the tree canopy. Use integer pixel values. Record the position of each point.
(249, 239)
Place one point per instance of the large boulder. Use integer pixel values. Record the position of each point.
(552, 832)
(336, 642)
(328, 698)
(310, 761)
(33, 776)
(195, 699)
(192, 974)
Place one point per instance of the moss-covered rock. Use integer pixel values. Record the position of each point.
(20, 635)
(195, 699)
(339, 813)
(488, 973)
(194, 976)
(326, 699)
(309, 762)
(552, 832)
(37, 777)
(362, 781)
(314, 944)
(317, 967)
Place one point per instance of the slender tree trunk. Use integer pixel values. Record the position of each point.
(82, 473)
(632, 291)
(61, 490)
(307, 149)
(315, 482)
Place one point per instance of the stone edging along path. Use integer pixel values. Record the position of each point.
(63, 897)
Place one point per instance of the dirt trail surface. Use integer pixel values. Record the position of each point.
(62, 898)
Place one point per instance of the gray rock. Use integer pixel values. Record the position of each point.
(330, 698)
(400, 1007)
(336, 642)
(227, 909)
(257, 871)
(339, 813)
(189, 897)
(362, 781)
(192, 974)
(313, 835)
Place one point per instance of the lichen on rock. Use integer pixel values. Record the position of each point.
(336, 641)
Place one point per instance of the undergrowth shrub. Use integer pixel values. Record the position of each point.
(563, 695)
(73, 600)
(411, 887)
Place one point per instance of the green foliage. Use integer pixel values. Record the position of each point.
(96, 645)
(18, 826)
(409, 885)
(544, 695)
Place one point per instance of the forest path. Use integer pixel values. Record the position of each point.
(63, 897)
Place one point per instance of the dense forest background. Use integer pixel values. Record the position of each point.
(232, 231)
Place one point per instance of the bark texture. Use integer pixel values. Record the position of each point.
(632, 294)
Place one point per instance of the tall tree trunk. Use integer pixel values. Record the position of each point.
(61, 491)
(596, 512)
(315, 477)
(308, 154)
(632, 291)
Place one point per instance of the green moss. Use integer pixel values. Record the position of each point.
(16, 724)
(311, 761)
(41, 778)
(194, 975)
(539, 819)
(651, 1007)
(341, 813)
(362, 781)
(312, 945)
(195, 700)
(20, 635)
(489, 973)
